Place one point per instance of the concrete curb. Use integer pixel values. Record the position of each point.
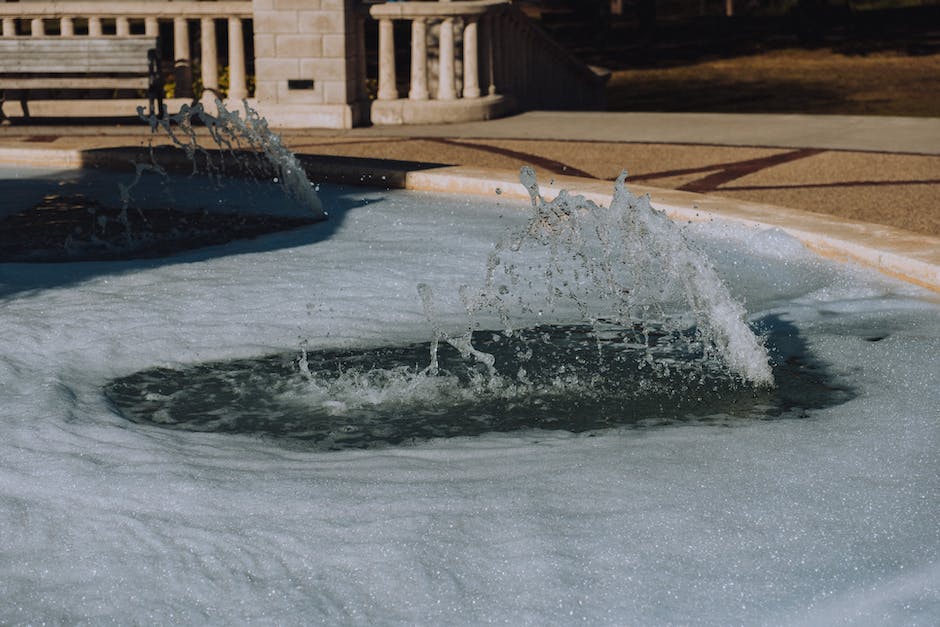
(911, 257)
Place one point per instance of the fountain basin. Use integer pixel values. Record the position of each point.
(901, 254)
(810, 520)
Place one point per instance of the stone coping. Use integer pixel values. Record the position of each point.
(434, 111)
(414, 10)
(112, 8)
(911, 257)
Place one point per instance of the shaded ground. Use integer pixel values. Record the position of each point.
(836, 61)
(815, 81)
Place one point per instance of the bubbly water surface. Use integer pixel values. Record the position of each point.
(825, 519)
(621, 284)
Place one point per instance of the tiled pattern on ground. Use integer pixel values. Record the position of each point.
(899, 190)
(896, 189)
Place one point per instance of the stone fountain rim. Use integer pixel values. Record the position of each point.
(908, 256)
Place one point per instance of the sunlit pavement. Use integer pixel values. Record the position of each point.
(884, 170)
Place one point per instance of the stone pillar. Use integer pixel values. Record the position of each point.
(151, 27)
(306, 62)
(122, 26)
(182, 70)
(36, 27)
(388, 90)
(419, 60)
(471, 69)
(446, 89)
(237, 87)
(210, 61)
(66, 26)
(9, 27)
(94, 26)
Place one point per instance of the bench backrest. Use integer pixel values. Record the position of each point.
(75, 55)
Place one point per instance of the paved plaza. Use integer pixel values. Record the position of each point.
(881, 170)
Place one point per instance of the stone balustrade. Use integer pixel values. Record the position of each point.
(457, 95)
(469, 59)
(101, 19)
(538, 72)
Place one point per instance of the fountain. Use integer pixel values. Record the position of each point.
(250, 144)
(248, 185)
(612, 464)
(600, 316)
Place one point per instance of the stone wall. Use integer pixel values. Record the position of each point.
(307, 62)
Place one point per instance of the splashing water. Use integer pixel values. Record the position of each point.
(624, 266)
(248, 140)
(81, 222)
(602, 317)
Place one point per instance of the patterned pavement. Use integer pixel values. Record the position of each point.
(878, 170)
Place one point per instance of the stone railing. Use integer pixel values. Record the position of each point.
(458, 94)
(469, 59)
(504, 62)
(537, 71)
(72, 18)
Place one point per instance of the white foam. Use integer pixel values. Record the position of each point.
(828, 519)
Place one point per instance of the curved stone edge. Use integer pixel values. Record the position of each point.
(904, 255)
(406, 111)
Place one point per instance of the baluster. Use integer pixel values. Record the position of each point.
(419, 60)
(182, 70)
(237, 87)
(361, 57)
(180, 41)
(66, 26)
(36, 27)
(9, 27)
(151, 27)
(210, 60)
(122, 26)
(446, 89)
(525, 62)
(488, 38)
(471, 70)
(94, 26)
(387, 79)
(508, 47)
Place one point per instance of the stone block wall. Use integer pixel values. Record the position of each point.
(306, 53)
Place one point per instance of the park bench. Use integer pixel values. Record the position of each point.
(80, 63)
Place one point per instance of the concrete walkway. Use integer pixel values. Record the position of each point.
(836, 132)
(881, 170)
